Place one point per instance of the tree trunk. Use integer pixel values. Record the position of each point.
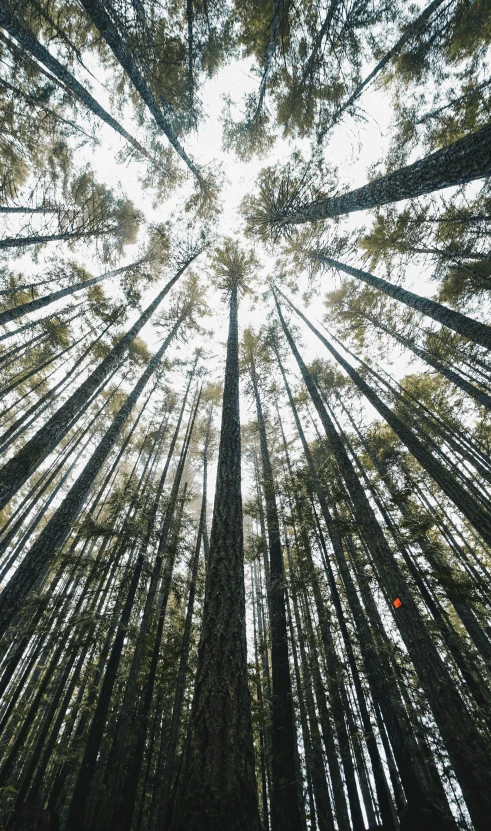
(465, 160)
(167, 757)
(118, 758)
(217, 788)
(59, 526)
(465, 745)
(470, 329)
(18, 469)
(285, 815)
(479, 396)
(17, 427)
(173, 516)
(101, 19)
(341, 808)
(41, 239)
(477, 516)
(26, 39)
(410, 31)
(40, 302)
(324, 815)
(323, 31)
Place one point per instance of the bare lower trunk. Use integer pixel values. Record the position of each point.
(217, 788)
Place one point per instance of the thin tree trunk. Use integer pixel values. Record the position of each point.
(100, 17)
(26, 39)
(317, 41)
(471, 329)
(285, 813)
(260, 701)
(41, 302)
(341, 808)
(479, 396)
(324, 816)
(173, 515)
(465, 745)
(309, 764)
(409, 33)
(477, 516)
(379, 670)
(167, 758)
(57, 529)
(278, 11)
(24, 463)
(383, 793)
(41, 239)
(118, 755)
(20, 424)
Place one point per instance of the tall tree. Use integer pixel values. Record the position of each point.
(447, 712)
(284, 796)
(282, 204)
(217, 787)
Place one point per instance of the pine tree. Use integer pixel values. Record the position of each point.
(217, 786)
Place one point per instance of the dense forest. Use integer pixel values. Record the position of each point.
(245, 395)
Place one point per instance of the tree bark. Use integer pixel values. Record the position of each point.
(217, 787)
(26, 39)
(473, 330)
(18, 469)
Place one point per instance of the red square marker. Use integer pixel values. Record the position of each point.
(397, 602)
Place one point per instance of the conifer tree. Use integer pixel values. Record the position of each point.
(217, 785)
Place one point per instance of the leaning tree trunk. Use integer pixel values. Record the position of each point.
(274, 29)
(452, 639)
(383, 792)
(410, 31)
(18, 469)
(26, 39)
(465, 745)
(217, 787)
(479, 396)
(317, 771)
(317, 41)
(118, 760)
(41, 302)
(477, 516)
(100, 17)
(41, 239)
(17, 427)
(98, 724)
(466, 326)
(59, 526)
(378, 668)
(465, 160)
